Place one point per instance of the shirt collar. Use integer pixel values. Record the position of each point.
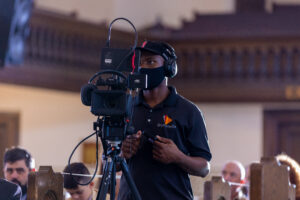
(169, 101)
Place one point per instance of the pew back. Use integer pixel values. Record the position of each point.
(45, 184)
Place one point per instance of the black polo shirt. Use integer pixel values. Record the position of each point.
(175, 118)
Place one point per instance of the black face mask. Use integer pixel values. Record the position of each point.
(155, 76)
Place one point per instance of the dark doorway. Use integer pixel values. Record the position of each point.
(9, 134)
(282, 133)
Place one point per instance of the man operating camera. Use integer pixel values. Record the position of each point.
(170, 141)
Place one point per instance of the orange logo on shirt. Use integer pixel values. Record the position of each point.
(167, 119)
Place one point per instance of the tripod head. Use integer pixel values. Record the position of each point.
(112, 133)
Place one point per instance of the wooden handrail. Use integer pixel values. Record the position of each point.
(63, 52)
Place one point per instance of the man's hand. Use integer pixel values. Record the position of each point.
(165, 150)
(130, 145)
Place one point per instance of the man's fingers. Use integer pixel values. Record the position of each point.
(135, 136)
(155, 157)
(132, 142)
(139, 134)
(132, 148)
(163, 140)
(156, 154)
(158, 145)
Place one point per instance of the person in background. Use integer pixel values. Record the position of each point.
(78, 192)
(17, 164)
(234, 173)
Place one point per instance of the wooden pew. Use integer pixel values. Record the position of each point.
(270, 181)
(216, 189)
(45, 185)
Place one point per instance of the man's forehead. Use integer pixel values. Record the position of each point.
(151, 55)
(73, 190)
(231, 167)
(16, 164)
(79, 188)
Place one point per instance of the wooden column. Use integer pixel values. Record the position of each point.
(270, 181)
(45, 185)
(217, 189)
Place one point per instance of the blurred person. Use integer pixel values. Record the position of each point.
(78, 192)
(17, 164)
(234, 173)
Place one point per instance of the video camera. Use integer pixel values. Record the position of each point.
(110, 94)
(110, 91)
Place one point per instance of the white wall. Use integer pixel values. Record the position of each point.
(140, 12)
(144, 12)
(91, 10)
(171, 12)
(234, 131)
(53, 122)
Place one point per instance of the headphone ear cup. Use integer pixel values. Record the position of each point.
(170, 61)
(86, 93)
(171, 68)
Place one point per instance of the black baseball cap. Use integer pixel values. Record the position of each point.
(158, 48)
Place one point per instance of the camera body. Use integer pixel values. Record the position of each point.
(107, 94)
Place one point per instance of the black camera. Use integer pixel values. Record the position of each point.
(109, 92)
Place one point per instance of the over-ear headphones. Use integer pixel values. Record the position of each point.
(170, 61)
(166, 51)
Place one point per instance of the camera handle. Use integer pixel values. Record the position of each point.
(112, 72)
(132, 49)
(125, 19)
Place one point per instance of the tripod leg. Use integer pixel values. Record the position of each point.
(113, 181)
(129, 180)
(105, 180)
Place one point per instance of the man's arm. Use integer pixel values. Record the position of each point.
(196, 166)
(166, 151)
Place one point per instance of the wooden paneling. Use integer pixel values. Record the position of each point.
(9, 134)
(241, 57)
(282, 133)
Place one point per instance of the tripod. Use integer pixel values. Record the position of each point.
(109, 174)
